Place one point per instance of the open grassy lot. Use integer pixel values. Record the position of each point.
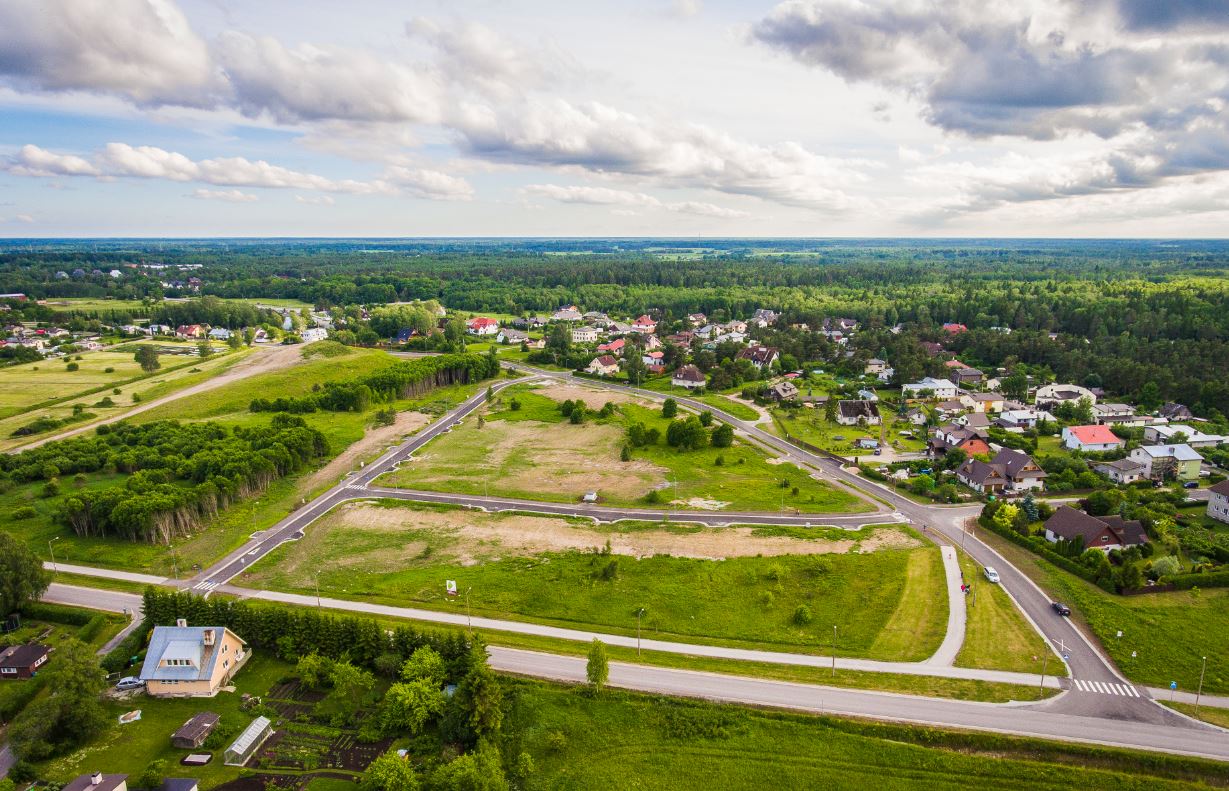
(996, 634)
(128, 749)
(809, 425)
(663, 384)
(624, 740)
(535, 454)
(1169, 632)
(91, 305)
(558, 571)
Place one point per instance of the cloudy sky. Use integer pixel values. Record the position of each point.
(661, 117)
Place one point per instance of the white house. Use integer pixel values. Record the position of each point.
(1121, 471)
(688, 376)
(603, 366)
(1165, 434)
(1050, 396)
(313, 334)
(1091, 439)
(1218, 502)
(1161, 461)
(939, 388)
(584, 335)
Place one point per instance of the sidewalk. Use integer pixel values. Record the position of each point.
(91, 571)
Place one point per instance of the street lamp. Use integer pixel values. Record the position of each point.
(316, 577)
(639, 613)
(174, 561)
(51, 549)
(1202, 670)
(834, 650)
(469, 621)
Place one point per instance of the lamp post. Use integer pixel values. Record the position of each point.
(316, 577)
(639, 613)
(1045, 657)
(1198, 693)
(834, 650)
(51, 549)
(469, 621)
(174, 561)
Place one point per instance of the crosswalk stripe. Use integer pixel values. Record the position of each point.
(1080, 685)
(1097, 686)
(1117, 690)
(1134, 692)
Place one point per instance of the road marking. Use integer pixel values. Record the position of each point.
(1106, 688)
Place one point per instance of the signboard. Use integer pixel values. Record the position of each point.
(1173, 685)
(451, 585)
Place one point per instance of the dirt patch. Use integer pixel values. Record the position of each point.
(477, 536)
(594, 399)
(374, 440)
(700, 504)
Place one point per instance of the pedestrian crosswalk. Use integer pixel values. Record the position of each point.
(1106, 688)
(206, 585)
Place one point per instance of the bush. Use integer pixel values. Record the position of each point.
(802, 615)
(72, 367)
(108, 370)
(514, 405)
(23, 512)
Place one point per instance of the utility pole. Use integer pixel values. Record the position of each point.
(468, 618)
(51, 549)
(316, 577)
(1045, 657)
(639, 613)
(174, 561)
(1200, 691)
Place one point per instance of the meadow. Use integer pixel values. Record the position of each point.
(882, 591)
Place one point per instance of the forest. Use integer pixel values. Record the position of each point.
(1147, 320)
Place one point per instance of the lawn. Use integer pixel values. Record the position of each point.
(625, 740)
(1169, 633)
(663, 384)
(996, 634)
(809, 425)
(557, 571)
(533, 453)
(128, 749)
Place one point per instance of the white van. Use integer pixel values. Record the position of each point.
(992, 575)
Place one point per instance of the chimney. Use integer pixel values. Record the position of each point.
(181, 622)
(208, 637)
(96, 779)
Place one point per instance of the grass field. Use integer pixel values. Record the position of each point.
(1206, 713)
(810, 426)
(1168, 632)
(663, 384)
(556, 571)
(996, 634)
(534, 454)
(624, 740)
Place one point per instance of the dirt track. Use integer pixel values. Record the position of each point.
(263, 360)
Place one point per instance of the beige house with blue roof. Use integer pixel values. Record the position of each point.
(191, 661)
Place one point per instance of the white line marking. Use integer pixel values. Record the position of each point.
(1081, 686)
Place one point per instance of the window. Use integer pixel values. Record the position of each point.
(225, 664)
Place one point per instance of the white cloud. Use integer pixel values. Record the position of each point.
(430, 184)
(34, 161)
(315, 200)
(626, 200)
(141, 50)
(229, 196)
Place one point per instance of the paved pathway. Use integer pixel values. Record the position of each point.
(91, 571)
(957, 615)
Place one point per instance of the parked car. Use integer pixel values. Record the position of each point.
(1061, 608)
(992, 575)
(129, 682)
(1191, 485)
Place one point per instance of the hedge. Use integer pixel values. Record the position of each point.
(57, 613)
(1215, 579)
(1033, 545)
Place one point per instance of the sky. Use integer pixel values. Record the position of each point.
(684, 118)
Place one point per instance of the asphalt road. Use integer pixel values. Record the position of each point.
(1040, 720)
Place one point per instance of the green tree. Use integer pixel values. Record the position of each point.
(389, 772)
(314, 670)
(147, 357)
(22, 576)
(669, 408)
(425, 664)
(351, 686)
(480, 695)
(723, 436)
(597, 669)
(830, 409)
(410, 705)
(203, 349)
(71, 714)
(479, 770)
(154, 774)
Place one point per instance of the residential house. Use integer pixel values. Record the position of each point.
(1095, 532)
(952, 328)
(1121, 470)
(765, 318)
(1022, 473)
(529, 323)
(987, 402)
(605, 365)
(982, 476)
(1111, 414)
(618, 328)
(839, 326)
(1169, 434)
(97, 782)
(760, 356)
(708, 331)
(22, 661)
(688, 376)
(978, 420)
(404, 335)
(313, 334)
(736, 325)
(584, 334)
(1091, 439)
(931, 348)
(784, 390)
(1172, 411)
(681, 338)
(508, 335)
(596, 317)
(1218, 502)
(614, 347)
(916, 416)
(1166, 462)
(938, 388)
(875, 366)
(961, 374)
(191, 331)
(191, 661)
(644, 325)
(697, 319)
(653, 360)
(1021, 419)
(652, 342)
(852, 413)
(868, 395)
(728, 337)
(950, 409)
(949, 436)
(219, 334)
(1050, 396)
(569, 313)
(482, 326)
(866, 443)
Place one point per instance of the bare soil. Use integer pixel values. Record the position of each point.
(474, 537)
(375, 440)
(594, 399)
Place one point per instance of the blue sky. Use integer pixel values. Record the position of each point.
(669, 117)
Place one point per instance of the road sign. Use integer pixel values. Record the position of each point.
(451, 585)
(1173, 685)
(1066, 657)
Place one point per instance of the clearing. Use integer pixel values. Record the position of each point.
(779, 589)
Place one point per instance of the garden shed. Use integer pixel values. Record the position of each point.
(248, 742)
(195, 731)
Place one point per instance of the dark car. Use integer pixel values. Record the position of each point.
(1061, 608)
(1191, 485)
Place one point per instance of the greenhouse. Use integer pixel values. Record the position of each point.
(248, 742)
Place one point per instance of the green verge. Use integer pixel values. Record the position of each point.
(624, 740)
(1169, 633)
(1206, 713)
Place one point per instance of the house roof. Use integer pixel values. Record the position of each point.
(689, 373)
(86, 783)
(1122, 465)
(1014, 463)
(981, 473)
(930, 383)
(1068, 523)
(858, 409)
(199, 725)
(181, 643)
(1221, 488)
(606, 361)
(1192, 434)
(1178, 452)
(1172, 410)
(179, 784)
(23, 656)
(977, 420)
(758, 354)
(1094, 435)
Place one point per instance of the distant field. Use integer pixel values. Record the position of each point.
(535, 454)
(90, 305)
(881, 589)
